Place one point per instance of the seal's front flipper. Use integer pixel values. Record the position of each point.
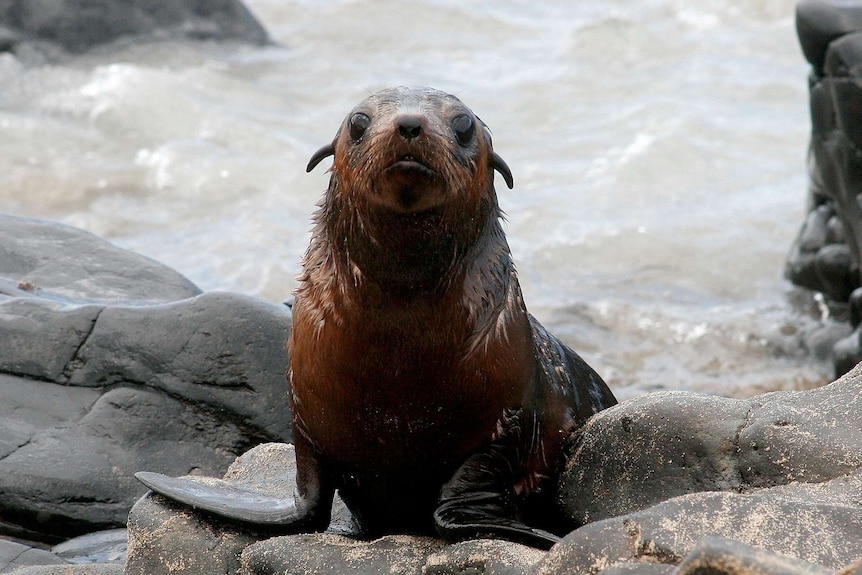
(479, 500)
(222, 498)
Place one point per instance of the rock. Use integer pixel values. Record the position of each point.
(820, 524)
(312, 553)
(101, 547)
(55, 262)
(825, 256)
(112, 363)
(78, 25)
(207, 545)
(165, 538)
(16, 555)
(649, 449)
(70, 558)
(663, 445)
(721, 556)
(483, 556)
(656, 479)
(819, 22)
(94, 569)
(653, 476)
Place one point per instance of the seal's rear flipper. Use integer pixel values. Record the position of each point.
(224, 499)
(459, 522)
(479, 500)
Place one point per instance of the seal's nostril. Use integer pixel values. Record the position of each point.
(409, 127)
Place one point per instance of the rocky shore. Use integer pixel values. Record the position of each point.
(112, 363)
(75, 26)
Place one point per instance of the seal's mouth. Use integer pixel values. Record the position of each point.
(408, 184)
(408, 162)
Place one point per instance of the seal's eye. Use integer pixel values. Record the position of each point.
(359, 122)
(464, 128)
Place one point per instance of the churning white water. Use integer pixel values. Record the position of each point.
(658, 149)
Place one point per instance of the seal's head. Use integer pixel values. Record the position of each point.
(412, 149)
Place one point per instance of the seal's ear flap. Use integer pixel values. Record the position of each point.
(498, 164)
(319, 155)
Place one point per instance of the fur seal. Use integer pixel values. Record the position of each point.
(421, 388)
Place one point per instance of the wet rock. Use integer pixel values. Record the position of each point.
(16, 555)
(95, 569)
(653, 476)
(105, 549)
(662, 445)
(721, 556)
(101, 547)
(649, 449)
(78, 25)
(312, 553)
(60, 263)
(825, 256)
(483, 556)
(112, 363)
(167, 538)
(818, 524)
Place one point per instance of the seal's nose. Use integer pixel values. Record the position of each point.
(409, 126)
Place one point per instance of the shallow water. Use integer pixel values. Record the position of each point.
(658, 149)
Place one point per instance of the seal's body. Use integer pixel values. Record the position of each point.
(420, 386)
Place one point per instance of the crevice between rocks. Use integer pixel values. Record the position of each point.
(69, 368)
(737, 448)
(17, 448)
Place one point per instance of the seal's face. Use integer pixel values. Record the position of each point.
(411, 150)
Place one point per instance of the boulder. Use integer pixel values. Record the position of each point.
(14, 555)
(112, 363)
(656, 475)
(825, 257)
(666, 444)
(165, 538)
(671, 483)
(100, 553)
(78, 25)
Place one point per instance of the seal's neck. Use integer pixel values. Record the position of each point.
(409, 255)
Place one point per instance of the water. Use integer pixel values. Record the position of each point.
(658, 149)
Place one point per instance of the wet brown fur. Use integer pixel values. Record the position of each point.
(421, 388)
(410, 340)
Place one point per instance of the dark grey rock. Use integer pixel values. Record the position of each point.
(16, 555)
(649, 449)
(820, 524)
(100, 547)
(778, 476)
(720, 556)
(827, 253)
(663, 445)
(55, 261)
(312, 553)
(160, 533)
(819, 22)
(41, 337)
(112, 363)
(483, 556)
(164, 537)
(78, 25)
(808, 436)
(93, 569)
(220, 350)
(781, 472)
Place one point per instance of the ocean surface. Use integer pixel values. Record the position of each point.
(658, 149)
